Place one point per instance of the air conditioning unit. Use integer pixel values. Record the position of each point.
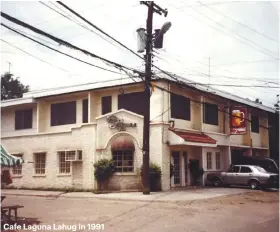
(73, 156)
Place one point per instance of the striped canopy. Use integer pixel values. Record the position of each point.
(8, 160)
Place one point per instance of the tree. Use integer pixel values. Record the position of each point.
(11, 87)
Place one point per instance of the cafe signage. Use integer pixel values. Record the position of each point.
(238, 120)
(116, 123)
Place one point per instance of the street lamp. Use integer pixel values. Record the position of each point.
(158, 37)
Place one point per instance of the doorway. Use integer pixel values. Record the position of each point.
(177, 169)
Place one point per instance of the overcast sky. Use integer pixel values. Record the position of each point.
(240, 38)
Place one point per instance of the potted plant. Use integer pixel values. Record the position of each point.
(154, 177)
(104, 169)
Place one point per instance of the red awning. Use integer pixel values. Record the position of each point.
(195, 137)
(123, 142)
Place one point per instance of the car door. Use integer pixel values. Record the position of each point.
(230, 175)
(244, 175)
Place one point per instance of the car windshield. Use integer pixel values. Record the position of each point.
(260, 169)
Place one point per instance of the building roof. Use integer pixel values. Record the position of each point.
(32, 95)
(196, 137)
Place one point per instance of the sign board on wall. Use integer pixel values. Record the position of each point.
(238, 120)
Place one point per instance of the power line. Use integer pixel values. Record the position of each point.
(224, 76)
(264, 51)
(242, 24)
(74, 21)
(245, 62)
(97, 28)
(56, 49)
(63, 42)
(227, 34)
(33, 55)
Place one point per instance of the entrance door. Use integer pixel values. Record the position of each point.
(177, 169)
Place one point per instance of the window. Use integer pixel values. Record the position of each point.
(85, 111)
(210, 115)
(17, 170)
(23, 119)
(234, 169)
(132, 102)
(64, 166)
(209, 160)
(255, 124)
(40, 163)
(106, 104)
(245, 170)
(180, 107)
(218, 160)
(63, 113)
(123, 161)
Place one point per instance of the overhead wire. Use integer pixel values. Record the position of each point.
(234, 20)
(67, 16)
(63, 42)
(81, 17)
(38, 42)
(97, 28)
(249, 43)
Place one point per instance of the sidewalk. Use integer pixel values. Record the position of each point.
(168, 196)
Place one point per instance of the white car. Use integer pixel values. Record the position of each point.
(250, 175)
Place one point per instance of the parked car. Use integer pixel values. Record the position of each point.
(252, 176)
(266, 163)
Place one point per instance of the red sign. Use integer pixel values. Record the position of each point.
(238, 120)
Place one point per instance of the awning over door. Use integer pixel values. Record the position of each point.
(8, 160)
(191, 138)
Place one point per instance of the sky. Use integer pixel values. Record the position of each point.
(211, 42)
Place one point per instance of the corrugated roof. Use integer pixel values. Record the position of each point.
(125, 81)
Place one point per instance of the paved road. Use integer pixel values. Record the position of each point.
(227, 215)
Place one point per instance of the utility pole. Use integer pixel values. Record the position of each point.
(152, 7)
(9, 67)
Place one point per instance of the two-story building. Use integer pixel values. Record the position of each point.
(62, 132)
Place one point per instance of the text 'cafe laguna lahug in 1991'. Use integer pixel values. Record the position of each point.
(60, 133)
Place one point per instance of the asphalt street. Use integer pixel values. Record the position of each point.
(243, 213)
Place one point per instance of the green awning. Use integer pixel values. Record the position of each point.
(8, 160)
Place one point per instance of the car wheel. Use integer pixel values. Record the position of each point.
(217, 182)
(254, 184)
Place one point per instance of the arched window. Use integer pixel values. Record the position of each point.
(123, 153)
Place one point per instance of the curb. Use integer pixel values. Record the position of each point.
(33, 195)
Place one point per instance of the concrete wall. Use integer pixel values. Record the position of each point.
(78, 139)
(8, 121)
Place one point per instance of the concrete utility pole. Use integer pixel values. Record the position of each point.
(152, 7)
(9, 67)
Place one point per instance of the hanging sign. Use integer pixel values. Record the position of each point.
(238, 122)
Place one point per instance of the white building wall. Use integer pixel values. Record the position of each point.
(78, 139)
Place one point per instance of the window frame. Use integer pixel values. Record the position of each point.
(122, 167)
(17, 168)
(54, 111)
(45, 163)
(132, 98)
(177, 113)
(85, 110)
(106, 100)
(209, 163)
(20, 117)
(255, 128)
(206, 120)
(218, 167)
(59, 153)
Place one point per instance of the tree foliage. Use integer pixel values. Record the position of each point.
(11, 87)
